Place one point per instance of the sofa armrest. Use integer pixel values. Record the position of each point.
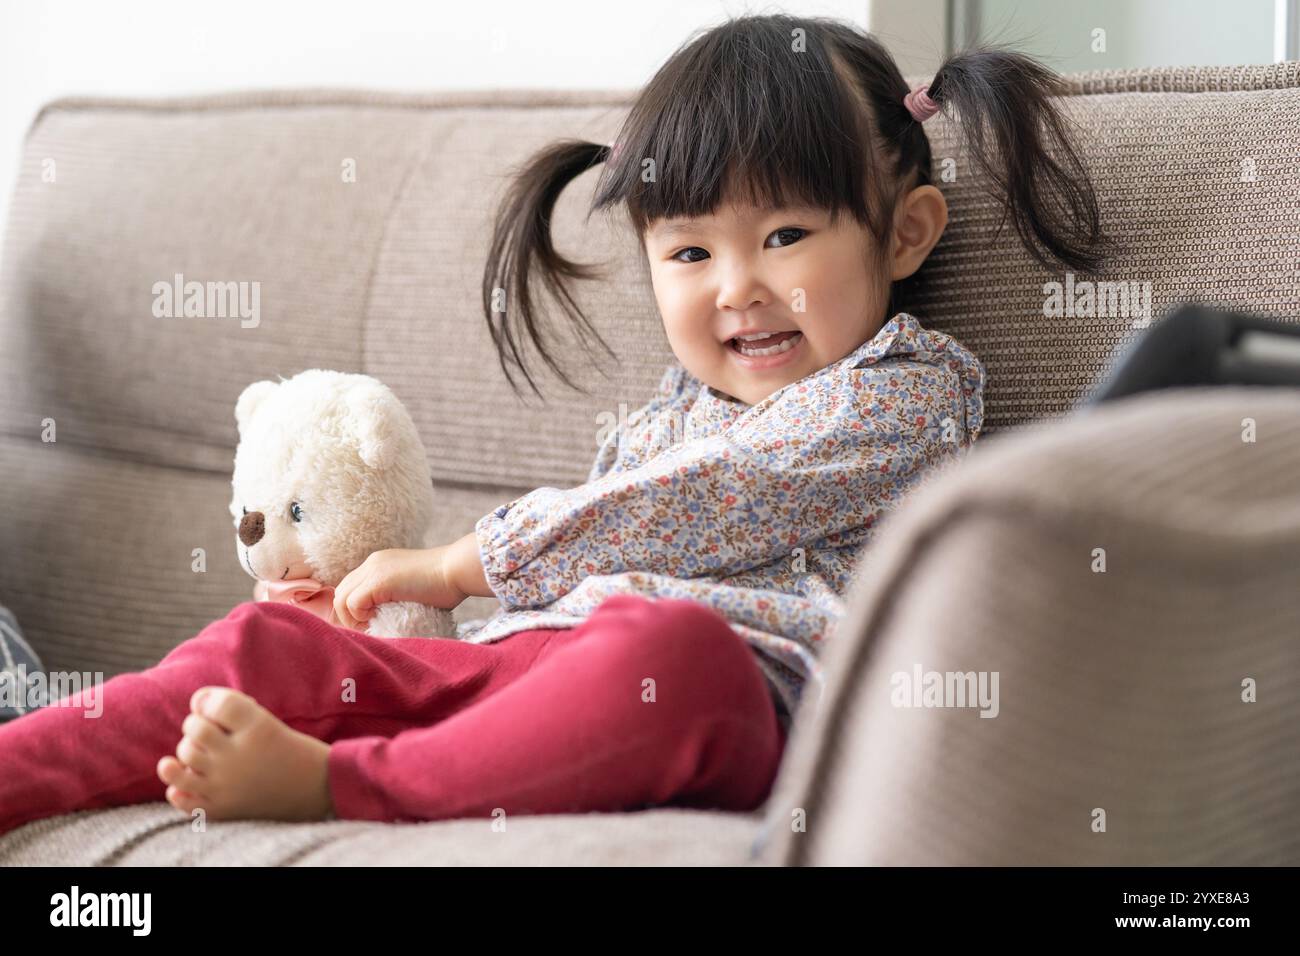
(1129, 574)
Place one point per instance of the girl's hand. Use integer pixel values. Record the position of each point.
(397, 574)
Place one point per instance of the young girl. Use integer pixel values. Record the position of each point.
(659, 623)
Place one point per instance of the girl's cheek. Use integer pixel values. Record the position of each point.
(687, 303)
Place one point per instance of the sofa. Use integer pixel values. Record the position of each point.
(1124, 733)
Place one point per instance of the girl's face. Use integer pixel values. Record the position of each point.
(746, 270)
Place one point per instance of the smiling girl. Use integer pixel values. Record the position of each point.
(660, 623)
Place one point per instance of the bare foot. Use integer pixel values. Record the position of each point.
(239, 761)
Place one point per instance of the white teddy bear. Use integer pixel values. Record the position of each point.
(329, 469)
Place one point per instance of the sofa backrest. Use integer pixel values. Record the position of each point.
(1197, 171)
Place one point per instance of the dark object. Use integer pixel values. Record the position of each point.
(19, 665)
(1199, 345)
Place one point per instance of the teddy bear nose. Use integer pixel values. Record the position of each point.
(251, 528)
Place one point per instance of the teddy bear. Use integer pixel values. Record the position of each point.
(330, 468)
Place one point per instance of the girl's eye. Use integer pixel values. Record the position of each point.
(295, 511)
(795, 229)
(793, 234)
(689, 249)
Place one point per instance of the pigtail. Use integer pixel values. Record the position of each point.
(521, 240)
(1020, 139)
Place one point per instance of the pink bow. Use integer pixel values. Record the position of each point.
(307, 593)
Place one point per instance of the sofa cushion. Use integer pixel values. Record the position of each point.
(156, 834)
(377, 275)
(1198, 179)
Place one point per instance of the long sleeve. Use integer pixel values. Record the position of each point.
(815, 464)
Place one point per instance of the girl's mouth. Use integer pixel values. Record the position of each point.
(778, 349)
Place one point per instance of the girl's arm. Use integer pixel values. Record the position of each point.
(465, 569)
(806, 471)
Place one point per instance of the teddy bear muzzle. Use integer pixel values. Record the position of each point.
(252, 527)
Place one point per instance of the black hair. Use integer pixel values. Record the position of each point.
(779, 110)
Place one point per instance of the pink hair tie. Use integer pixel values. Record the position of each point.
(920, 105)
(613, 150)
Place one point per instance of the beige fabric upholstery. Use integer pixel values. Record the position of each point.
(1168, 149)
(1120, 690)
(156, 834)
(382, 276)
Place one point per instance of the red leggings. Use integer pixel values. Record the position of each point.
(646, 702)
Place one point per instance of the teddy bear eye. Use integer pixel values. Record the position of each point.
(245, 511)
(295, 511)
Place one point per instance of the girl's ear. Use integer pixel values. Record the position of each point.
(919, 221)
(249, 400)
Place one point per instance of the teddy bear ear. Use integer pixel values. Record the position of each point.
(250, 399)
(371, 409)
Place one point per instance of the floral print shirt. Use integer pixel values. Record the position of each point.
(759, 511)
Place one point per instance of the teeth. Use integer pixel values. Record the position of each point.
(756, 335)
(785, 346)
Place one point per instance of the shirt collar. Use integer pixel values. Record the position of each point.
(902, 334)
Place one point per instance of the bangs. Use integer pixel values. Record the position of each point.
(751, 113)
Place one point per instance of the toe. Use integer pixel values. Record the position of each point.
(199, 696)
(194, 756)
(205, 733)
(180, 777)
(230, 709)
(169, 769)
(181, 800)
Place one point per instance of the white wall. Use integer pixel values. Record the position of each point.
(1137, 32)
(915, 31)
(157, 48)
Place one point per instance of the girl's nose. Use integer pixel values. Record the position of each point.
(741, 291)
(251, 528)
